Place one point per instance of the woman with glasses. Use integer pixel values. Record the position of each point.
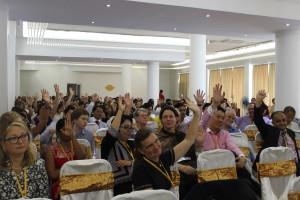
(118, 149)
(21, 174)
(66, 150)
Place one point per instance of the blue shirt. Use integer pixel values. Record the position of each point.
(88, 135)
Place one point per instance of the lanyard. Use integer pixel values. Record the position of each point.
(129, 150)
(71, 157)
(165, 173)
(216, 143)
(23, 192)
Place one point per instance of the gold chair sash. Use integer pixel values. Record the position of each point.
(298, 144)
(294, 196)
(251, 134)
(175, 178)
(258, 145)
(37, 144)
(280, 168)
(88, 153)
(76, 183)
(98, 141)
(217, 174)
(245, 150)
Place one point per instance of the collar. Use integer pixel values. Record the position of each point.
(210, 131)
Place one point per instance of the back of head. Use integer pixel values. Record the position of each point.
(147, 105)
(289, 109)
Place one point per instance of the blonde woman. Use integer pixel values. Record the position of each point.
(21, 174)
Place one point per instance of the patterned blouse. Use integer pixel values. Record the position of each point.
(37, 182)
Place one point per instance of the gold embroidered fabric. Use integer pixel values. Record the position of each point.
(98, 141)
(294, 196)
(251, 134)
(76, 183)
(280, 168)
(298, 144)
(37, 144)
(175, 178)
(88, 153)
(245, 150)
(217, 174)
(258, 145)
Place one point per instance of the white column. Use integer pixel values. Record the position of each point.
(287, 78)
(11, 64)
(153, 81)
(248, 73)
(4, 100)
(126, 78)
(197, 64)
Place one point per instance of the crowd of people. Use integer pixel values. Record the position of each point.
(142, 142)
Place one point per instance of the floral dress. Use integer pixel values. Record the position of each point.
(36, 179)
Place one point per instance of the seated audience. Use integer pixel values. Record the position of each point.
(65, 150)
(98, 115)
(118, 149)
(276, 135)
(141, 118)
(21, 175)
(152, 167)
(80, 118)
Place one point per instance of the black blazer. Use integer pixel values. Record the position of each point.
(270, 135)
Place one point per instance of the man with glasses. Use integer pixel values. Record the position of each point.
(98, 115)
(276, 135)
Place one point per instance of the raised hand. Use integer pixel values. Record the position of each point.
(128, 100)
(56, 88)
(218, 96)
(261, 94)
(191, 105)
(45, 95)
(68, 128)
(120, 103)
(199, 96)
(71, 92)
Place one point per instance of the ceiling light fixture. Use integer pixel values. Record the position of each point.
(245, 35)
(287, 24)
(93, 22)
(207, 16)
(175, 29)
(108, 5)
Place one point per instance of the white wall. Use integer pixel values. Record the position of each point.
(32, 81)
(164, 82)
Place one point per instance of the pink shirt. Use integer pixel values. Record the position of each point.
(222, 140)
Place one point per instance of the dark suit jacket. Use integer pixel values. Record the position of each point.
(270, 135)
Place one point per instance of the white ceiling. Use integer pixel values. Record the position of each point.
(225, 30)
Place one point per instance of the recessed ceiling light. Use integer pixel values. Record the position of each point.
(287, 24)
(58, 57)
(108, 5)
(93, 22)
(207, 16)
(174, 29)
(245, 35)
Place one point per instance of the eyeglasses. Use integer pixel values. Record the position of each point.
(144, 116)
(127, 128)
(168, 116)
(14, 140)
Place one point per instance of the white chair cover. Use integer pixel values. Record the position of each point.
(176, 189)
(252, 145)
(87, 166)
(101, 132)
(295, 185)
(274, 188)
(93, 127)
(258, 138)
(88, 151)
(241, 140)
(147, 195)
(219, 158)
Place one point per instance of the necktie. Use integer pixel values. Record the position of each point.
(283, 143)
(97, 122)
